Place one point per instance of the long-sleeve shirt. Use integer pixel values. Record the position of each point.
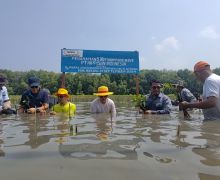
(186, 95)
(161, 104)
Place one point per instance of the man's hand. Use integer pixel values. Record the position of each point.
(148, 112)
(31, 110)
(52, 113)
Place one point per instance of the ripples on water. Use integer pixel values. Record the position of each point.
(177, 148)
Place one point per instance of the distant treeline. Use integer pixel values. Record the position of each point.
(120, 84)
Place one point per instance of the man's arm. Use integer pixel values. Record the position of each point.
(208, 103)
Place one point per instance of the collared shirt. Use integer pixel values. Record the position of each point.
(30, 100)
(211, 87)
(161, 103)
(187, 96)
(108, 107)
(3, 96)
(68, 109)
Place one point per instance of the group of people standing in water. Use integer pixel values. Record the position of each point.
(36, 99)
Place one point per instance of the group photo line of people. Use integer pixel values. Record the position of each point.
(36, 99)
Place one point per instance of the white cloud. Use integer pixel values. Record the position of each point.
(209, 32)
(168, 44)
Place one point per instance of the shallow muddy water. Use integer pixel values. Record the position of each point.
(133, 146)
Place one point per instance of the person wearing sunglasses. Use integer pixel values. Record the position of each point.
(103, 104)
(63, 106)
(34, 99)
(157, 102)
(210, 103)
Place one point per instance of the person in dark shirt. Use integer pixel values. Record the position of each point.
(156, 102)
(34, 99)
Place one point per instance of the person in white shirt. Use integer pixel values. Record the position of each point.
(103, 104)
(210, 103)
(5, 103)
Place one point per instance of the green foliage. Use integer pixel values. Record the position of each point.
(120, 84)
(168, 88)
(172, 96)
(138, 99)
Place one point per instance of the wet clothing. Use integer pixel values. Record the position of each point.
(69, 108)
(186, 95)
(108, 107)
(3, 96)
(30, 100)
(161, 104)
(211, 87)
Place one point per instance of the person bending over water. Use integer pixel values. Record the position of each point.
(210, 103)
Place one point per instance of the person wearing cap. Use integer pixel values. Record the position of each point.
(5, 103)
(157, 102)
(34, 99)
(184, 94)
(210, 103)
(63, 106)
(103, 104)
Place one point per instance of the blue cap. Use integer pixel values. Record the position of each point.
(33, 81)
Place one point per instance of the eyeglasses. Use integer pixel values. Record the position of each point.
(155, 87)
(62, 96)
(32, 87)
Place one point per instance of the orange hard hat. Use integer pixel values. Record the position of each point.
(201, 65)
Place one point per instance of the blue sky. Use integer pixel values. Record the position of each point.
(169, 34)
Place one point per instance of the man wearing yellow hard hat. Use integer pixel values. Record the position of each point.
(63, 106)
(103, 104)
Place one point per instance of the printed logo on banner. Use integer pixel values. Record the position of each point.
(72, 53)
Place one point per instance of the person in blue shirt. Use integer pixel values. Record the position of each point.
(183, 93)
(157, 102)
(34, 99)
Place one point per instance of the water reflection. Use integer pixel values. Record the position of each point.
(35, 125)
(104, 125)
(106, 145)
(203, 176)
(149, 140)
(2, 153)
(210, 151)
